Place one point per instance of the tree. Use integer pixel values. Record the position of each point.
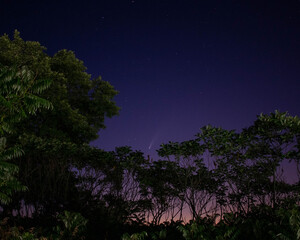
(237, 171)
(18, 99)
(56, 141)
(192, 178)
(274, 139)
(248, 163)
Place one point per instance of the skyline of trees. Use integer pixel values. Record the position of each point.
(56, 109)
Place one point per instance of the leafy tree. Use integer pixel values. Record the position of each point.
(274, 139)
(158, 185)
(192, 178)
(80, 102)
(56, 141)
(244, 167)
(18, 99)
(248, 163)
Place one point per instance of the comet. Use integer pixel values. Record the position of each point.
(153, 139)
(150, 146)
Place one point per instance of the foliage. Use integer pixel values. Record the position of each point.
(260, 223)
(162, 234)
(80, 102)
(291, 218)
(18, 95)
(73, 226)
(230, 183)
(135, 236)
(194, 231)
(18, 89)
(8, 182)
(17, 233)
(80, 105)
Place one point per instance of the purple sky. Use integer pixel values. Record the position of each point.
(178, 64)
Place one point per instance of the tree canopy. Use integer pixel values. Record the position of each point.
(51, 108)
(17, 100)
(79, 106)
(80, 103)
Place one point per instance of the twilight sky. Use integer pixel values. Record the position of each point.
(178, 64)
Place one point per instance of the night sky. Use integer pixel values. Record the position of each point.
(178, 64)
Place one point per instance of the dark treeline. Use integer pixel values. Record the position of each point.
(53, 185)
